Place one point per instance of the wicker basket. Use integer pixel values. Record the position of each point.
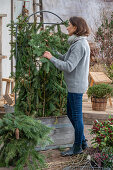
(99, 104)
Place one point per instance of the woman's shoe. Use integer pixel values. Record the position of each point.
(67, 153)
(76, 149)
(84, 144)
(70, 151)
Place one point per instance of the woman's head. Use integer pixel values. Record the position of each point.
(78, 26)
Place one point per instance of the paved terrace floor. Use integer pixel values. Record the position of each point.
(88, 114)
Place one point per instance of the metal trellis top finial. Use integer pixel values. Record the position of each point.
(43, 11)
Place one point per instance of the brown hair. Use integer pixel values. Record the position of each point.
(82, 27)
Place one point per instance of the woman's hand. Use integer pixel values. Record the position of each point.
(47, 55)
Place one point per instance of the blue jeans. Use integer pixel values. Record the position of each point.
(74, 113)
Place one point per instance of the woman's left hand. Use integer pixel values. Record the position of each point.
(47, 55)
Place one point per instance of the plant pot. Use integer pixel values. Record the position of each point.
(99, 104)
(62, 133)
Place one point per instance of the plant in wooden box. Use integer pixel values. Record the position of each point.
(40, 93)
(99, 94)
(50, 82)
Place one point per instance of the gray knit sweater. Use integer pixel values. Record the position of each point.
(75, 64)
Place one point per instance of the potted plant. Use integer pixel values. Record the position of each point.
(99, 94)
(40, 86)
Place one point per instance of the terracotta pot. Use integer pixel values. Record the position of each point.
(99, 104)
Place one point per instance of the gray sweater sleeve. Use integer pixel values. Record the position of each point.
(61, 57)
(73, 60)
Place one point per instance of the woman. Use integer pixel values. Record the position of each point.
(75, 64)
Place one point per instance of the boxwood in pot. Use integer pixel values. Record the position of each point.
(99, 94)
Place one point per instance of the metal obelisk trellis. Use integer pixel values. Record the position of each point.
(27, 20)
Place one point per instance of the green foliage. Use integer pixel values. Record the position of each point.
(104, 37)
(26, 75)
(100, 91)
(103, 133)
(103, 142)
(40, 86)
(21, 151)
(103, 158)
(51, 85)
(107, 157)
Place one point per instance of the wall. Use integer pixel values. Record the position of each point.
(5, 9)
(89, 9)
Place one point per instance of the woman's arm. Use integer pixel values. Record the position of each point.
(48, 55)
(61, 57)
(70, 64)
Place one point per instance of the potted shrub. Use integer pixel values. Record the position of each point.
(40, 86)
(99, 94)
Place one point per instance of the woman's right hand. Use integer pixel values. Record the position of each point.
(47, 55)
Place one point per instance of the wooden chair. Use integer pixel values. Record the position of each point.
(98, 78)
(9, 97)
